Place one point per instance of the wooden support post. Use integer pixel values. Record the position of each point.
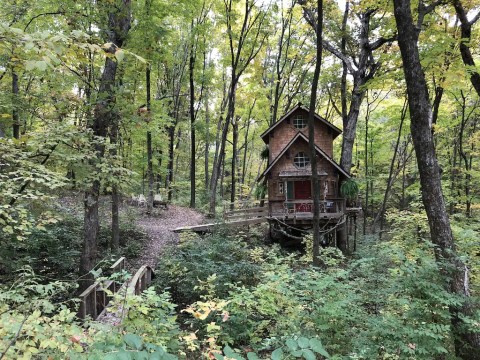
(355, 233)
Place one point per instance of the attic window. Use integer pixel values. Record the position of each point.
(299, 121)
(301, 160)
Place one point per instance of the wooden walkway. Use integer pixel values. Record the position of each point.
(206, 228)
(235, 214)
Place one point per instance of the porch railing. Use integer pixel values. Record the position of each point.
(305, 207)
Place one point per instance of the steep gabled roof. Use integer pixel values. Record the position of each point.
(287, 115)
(320, 151)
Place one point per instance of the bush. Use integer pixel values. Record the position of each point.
(183, 268)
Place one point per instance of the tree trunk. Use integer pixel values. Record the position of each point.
(15, 105)
(169, 177)
(234, 162)
(150, 174)
(207, 142)
(467, 343)
(311, 138)
(115, 194)
(192, 123)
(390, 179)
(119, 18)
(466, 34)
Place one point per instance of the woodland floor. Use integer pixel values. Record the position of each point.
(159, 226)
(159, 229)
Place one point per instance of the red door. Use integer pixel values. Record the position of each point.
(303, 191)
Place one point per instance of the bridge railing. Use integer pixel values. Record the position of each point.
(97, 296)
(245, 209)
(141, 280)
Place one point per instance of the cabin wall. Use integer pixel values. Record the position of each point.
(276, 192)
(285, 132)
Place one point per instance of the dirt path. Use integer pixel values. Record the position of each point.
(160, 231)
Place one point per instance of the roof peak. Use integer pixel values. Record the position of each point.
(297, 107)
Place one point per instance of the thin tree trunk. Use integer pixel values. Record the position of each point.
(115, 194)
(15, 105)
(192, 122)
(150, 174)
(467, 343)
(381, 212)
(207, 141)
(466, 34)
(234, 162)
(311, 137)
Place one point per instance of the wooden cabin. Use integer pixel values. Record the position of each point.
(289, 171)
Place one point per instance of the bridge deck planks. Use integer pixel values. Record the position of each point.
(208, 227)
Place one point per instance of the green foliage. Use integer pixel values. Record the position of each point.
(349, 189)
(197, 259)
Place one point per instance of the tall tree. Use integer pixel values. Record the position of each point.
(243, 48)
(467, 343)
(361, 64)
(118, 20)
(311, 137)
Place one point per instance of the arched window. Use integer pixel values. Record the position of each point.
(299, 121)
(301, 160)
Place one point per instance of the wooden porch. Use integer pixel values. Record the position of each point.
(303, 209)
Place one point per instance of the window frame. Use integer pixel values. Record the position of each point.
(299, 117)
(305, 160)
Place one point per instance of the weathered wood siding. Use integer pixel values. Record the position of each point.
(285, 163)
(284, 132)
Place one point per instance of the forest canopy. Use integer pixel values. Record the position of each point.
(122, 120)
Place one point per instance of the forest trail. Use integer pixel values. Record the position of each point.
(159, 230)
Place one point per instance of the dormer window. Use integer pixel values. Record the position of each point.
(301, 160)
(299, 121)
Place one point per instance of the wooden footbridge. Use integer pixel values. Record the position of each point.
(95, 299)
(240, 213)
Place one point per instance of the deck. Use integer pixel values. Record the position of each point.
(246, 213)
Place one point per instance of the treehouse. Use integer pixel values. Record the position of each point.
(289, 172)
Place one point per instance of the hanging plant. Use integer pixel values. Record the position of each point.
(349, 189)
(260, 191)
(265, 152)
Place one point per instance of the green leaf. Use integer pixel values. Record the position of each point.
(308, 354)
(228, 351)
(317, 346)
(292, 344)
(41, 65)
(141, 355)
(119, 55)
(120, 355)
(303, 342)
(134, 341)
(252, 356)
(277, 354)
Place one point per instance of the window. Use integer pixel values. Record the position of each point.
(301, 160)
(299, 121)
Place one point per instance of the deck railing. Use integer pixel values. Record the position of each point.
(298, 208)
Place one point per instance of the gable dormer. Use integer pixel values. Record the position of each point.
(286, 128)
